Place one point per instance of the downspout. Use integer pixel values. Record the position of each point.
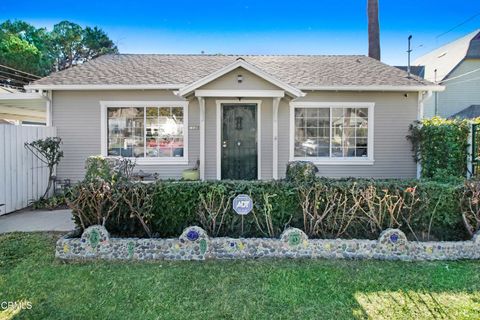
(420, 114)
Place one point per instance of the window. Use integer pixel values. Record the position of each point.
(153, 131)
(332, 133)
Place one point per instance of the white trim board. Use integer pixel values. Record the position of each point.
(125, 104)
(240, 63)
(219, 133)
(241, 93)
(334, 160)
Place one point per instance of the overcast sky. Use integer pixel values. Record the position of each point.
(259, 27)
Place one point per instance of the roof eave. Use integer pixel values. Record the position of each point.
(375, 88)
(104, 86)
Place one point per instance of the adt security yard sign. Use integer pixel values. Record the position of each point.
(242, 204)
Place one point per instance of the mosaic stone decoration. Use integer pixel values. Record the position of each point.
(294, 237)
(194, 244)
(393, 240)
(95, 237)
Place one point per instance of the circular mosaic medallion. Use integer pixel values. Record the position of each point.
(393, 240)
(95, 236)
(293, 237)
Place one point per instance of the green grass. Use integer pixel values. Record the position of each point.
(267, 289)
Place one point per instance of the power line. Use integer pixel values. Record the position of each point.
(17, 75)
(468, 80)
(458, 25)
(8, 79)
(462, 75)
(16, 70)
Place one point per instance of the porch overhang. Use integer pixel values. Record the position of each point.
(240, 93)
(23, 106)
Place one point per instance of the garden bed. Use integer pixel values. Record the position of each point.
(194, 244)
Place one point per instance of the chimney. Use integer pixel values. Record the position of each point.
(373, 30)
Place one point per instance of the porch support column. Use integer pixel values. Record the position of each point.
(201, 103)
(48, 111)
(276, 102)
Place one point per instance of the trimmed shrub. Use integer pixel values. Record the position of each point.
(323, 208)
(441, 147)
(301, 172)
(110, 169)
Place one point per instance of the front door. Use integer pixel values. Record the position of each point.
(239, 141)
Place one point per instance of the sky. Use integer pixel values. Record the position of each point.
(259, 27)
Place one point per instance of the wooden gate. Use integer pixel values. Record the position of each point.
(23, 177)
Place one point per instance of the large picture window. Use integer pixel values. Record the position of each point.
(146, 131)
(323, 132)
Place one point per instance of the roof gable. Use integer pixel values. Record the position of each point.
(240, 63)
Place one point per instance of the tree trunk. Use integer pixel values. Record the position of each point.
(373, 30)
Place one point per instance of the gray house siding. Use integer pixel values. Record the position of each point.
(459, 93)
(393, 113)
(76, 114)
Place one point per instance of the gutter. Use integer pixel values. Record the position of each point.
(375, 88)
(435, 88)
(105, 87)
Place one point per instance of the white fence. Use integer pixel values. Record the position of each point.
(23, 177)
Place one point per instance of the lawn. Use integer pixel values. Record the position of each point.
(267, 289)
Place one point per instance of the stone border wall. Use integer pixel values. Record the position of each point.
(194, 244)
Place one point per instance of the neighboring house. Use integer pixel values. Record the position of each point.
(242, 117)
(457, 66)
(419, 71)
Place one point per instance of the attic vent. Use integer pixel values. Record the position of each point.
(442, 54)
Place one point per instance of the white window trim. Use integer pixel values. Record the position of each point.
(219, 133)
(125, 104)
(334, 160)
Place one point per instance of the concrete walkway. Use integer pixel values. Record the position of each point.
(56, 220)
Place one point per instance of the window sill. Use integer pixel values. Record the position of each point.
(330, 161)
(147, 162)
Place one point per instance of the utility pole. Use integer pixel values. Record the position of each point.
(409, 51)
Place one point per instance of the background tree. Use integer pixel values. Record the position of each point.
(24, 47)
(373, 29)
(39, 51)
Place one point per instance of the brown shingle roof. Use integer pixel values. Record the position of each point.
(299, 71)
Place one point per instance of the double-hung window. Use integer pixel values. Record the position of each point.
(150, 131)
(332, 133)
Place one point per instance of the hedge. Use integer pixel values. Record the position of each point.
(323, 208)
(440, 145)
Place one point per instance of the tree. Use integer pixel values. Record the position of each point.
(48, 151)
(373, 30)
(24, 47)
(38, 51)
(75, 45)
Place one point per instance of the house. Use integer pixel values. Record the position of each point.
(456, 66)
(241, 117)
